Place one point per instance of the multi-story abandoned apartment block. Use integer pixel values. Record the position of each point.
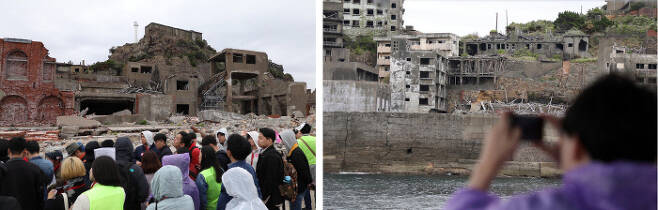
(372, 17)
(332, 25)
(444, 44)
(418, 71)
(571, 44)
(27, 84)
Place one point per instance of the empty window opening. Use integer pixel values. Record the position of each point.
(370, 12)
(652, 66)
(408, 59)
(387, 45)
(394, 5)
(355, 23)
(527, 46)
(639, 66)
(488, 46)
(369, 24)
(16, 65)
(380, 12)
(425, 61)
(559, 46)
(538, 46)
(251, 59)
(408, 86)
(133, 69)
(346, 11)
(408, 72)
(370, 1)
(424, 88)
(393, 17)
(357, 1)
(483, 47)
(237, 58)
(355, 12)
(106, 107)
(386, 68)
(182, 85)
(570, 45)
(392, 28)
(423, 101)
(183, 109)
(406, 99)
(424, 74)
(346, 22)
(145, 69)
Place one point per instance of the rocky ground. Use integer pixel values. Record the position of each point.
(81, 129)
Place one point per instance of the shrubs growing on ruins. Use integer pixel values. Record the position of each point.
(361, 44)
(143, 122)
(108, 65)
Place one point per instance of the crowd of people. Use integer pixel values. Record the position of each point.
(216, 171)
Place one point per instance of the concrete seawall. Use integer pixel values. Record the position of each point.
(419, 144)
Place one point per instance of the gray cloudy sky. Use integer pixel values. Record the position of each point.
(85, 30)
(469, 16)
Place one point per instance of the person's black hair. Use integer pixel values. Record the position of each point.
(268, 133)
(4, 146)
(208, 140)
(89, 150)
(107, 143)
(160, 137)
(614, 119)
(239, 146)
(32, 147)
(182, 150)
(188, 139)
(182, 133)
(17, 145)
(106, 172)
(209, 159)
(306, 129)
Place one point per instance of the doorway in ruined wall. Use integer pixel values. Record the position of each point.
(106, 107)
(582, 45)
(13, 109)
(49, 108)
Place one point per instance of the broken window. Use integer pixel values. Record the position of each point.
(538, 46)
(379, 24)
(652, 66)
(424, 74)
(357, 1)
(423, 101)
(183, 109)
(387, 45)
(559, 46)
(387, 68)
(369, 24)
(355, 23)
(582, 45)
(380, 12)
(392, 28)
(527, 46)
(370, 12)
(145, 69)
(408, 86)
(570, 45)
(488, 46)
(133, 69)
(424, 88)
(182, 85)
(48, 70)
(16, 65)
(356, 12)
(330, 14)
(387, 57)
(408, 72)
(639, 66)
(251, 59)
(346, 22)
(408, 59)
(394, 5)
(346, 11)
(393, 17)
(425, 61)
(370, 1)
(406, 99)
(237, 58)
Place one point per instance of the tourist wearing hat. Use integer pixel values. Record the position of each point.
(76, 149)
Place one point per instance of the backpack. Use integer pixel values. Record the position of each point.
(129, 185)
(289, 190)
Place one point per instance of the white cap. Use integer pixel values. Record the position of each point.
(105, 151)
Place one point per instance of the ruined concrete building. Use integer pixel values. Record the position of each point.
(332, 25)
(641, 67)
(572, 44)
(28, 95)
(372, 17)
(444, 44)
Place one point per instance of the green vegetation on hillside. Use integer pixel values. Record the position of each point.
(360, 44)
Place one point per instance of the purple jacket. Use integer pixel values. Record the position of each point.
(182, 161)
(594, 186)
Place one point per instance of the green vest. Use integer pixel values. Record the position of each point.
(310, 140)
(213, 188)
(105, 197)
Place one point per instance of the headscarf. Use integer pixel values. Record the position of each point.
(167, 182)
(254, 136)
(288, 139)
(240, 185)
(149, 137)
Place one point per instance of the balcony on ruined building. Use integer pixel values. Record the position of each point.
(332, 44)
(433, 46)
(382, 61)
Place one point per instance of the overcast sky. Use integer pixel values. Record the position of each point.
(86, 30)
(468, 16)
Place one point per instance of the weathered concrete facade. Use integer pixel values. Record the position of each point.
(572, 44)
(418, 78)
(355, 96)
(189, 35)
(332, 24)
(372, 17)
(28, 95)
(418, 143)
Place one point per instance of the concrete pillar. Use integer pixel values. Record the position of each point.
(229, 93)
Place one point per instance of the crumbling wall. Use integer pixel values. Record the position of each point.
(155, 107)
(355, 96)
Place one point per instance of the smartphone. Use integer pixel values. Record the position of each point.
(532, 127)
